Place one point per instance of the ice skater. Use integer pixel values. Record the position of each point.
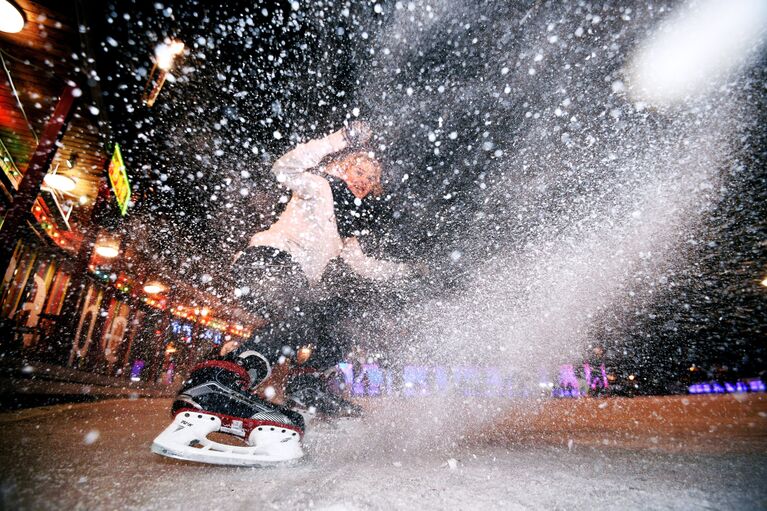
(278, 274)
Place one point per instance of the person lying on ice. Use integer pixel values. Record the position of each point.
(287, 260)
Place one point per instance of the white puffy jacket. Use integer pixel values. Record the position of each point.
(307, 228)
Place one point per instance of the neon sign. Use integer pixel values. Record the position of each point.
(119, 180)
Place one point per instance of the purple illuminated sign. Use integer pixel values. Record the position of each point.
(752, 385)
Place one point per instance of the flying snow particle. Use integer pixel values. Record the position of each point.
(269, 392)
(409, 91)
(455, 255)
(277, 135)
(91, 437)
(452, 463)
(205, 278)
(355, 112)
(453, 135)
(93, 110)
(378, 9)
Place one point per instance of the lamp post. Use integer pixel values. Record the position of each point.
(165, 54)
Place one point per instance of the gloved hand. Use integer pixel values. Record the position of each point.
(357, 134)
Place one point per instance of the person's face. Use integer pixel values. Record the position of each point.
(362, 178)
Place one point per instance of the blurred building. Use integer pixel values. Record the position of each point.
(76, 295)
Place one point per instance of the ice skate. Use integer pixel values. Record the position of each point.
(215, 399)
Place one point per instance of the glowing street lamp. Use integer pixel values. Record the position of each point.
(764, 282)
(107, 251)
(11, 17)
(153, 288)
(107, 246)
(164, 56)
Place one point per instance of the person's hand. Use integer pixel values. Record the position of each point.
(357, 133)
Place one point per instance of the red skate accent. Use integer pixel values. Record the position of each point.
(248, 425)
(229, 366)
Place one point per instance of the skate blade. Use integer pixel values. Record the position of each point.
(186, 439)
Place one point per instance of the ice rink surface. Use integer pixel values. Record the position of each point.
(684, 452)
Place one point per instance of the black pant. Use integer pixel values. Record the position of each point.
(269, 282)
(274, 286)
